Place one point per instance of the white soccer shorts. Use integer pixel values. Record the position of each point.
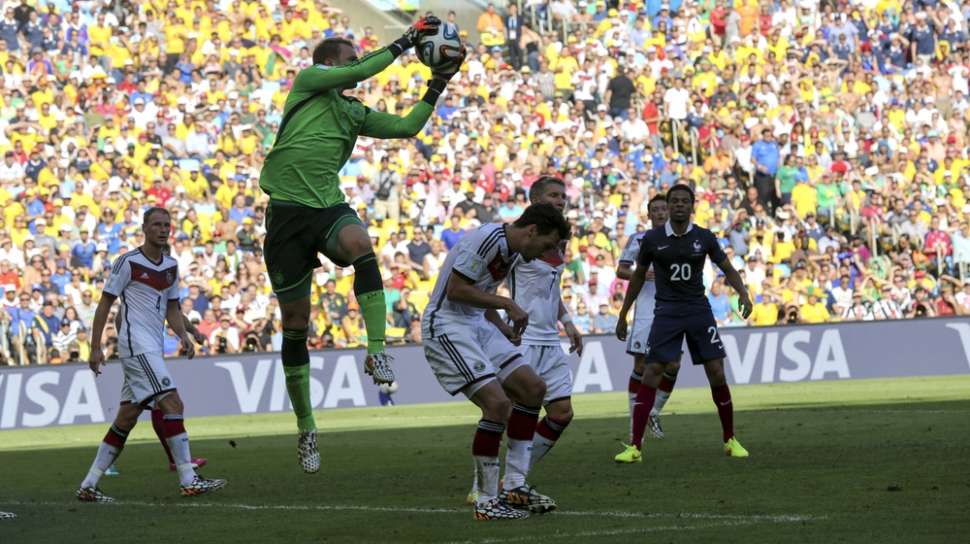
(637, 336)
(464, 359)
(551, 363)
(146, 379)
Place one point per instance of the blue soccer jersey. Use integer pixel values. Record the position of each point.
(678, 262)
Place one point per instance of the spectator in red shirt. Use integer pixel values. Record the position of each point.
(938, 242)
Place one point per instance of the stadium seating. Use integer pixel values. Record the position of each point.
(826, 140)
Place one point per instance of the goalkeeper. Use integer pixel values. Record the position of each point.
(308, 214)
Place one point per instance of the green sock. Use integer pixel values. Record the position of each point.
(375, 319)
(298, 387)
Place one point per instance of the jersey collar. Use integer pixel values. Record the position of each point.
(669, 230)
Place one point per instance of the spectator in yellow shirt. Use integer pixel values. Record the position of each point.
(814, 311)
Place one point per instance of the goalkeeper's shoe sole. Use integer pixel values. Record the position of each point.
(498, 510)
(378, 367)
(525, 497)
(631, 454)
(733, 448)
(307, 453)
(7, 515)
(91, 494)
(201, 486)
(655, 428)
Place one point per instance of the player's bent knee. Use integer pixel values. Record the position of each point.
(171, 403)
(673, 367)
(497, 409)
(561, 411)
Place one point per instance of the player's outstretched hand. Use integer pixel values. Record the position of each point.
(621, 328)
(449, 71)
(198, 337)
(188, 346)
(575, 339)
(744, 307)
(96, 360)
(519, 319)
(424, 26)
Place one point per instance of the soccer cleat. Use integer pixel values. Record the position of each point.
(201, 486)
(112, 471)
(378, 366)
(472, 497)
(198, 462)
(733, 448)
(497, 509)
(92, 494)
(629, 455)
(655, 429)
(527, 498)
(7, 515)
(307, 453)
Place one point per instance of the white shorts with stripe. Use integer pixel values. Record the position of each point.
(146, 378)
(637, 336)
(551, 363)
(466, 358)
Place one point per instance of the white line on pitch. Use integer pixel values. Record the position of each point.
(609, 532)
(752, 518)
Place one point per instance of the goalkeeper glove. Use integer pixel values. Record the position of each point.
(424, 26)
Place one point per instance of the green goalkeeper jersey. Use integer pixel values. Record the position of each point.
(318, 136)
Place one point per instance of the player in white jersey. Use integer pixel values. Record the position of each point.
(146, 280)
(535, 287)
(636, 342)
(471, 350)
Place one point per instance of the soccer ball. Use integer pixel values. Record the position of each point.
(440, 49)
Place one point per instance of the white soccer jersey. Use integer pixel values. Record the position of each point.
(647, 298)
(536, 287)
(482, 256)
(144, 288)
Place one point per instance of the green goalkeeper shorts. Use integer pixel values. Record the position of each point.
(295, 234)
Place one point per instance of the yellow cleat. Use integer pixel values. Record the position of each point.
(733, 448)
(629, 455)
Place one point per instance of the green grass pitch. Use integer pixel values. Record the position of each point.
(858, 461)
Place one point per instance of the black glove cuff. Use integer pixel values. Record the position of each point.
(435, 87)
(399, 46)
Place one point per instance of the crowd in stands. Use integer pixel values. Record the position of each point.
(827, 142)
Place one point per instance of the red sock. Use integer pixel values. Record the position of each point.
(173, 425)
(522, 422)
(158, 423)
(550, 429)
(488, 438)
(641, 411)
(115, 437)
(725, 409)
(667, 382)
(634, 386)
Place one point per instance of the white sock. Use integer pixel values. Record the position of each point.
(632, 397)
(517, 459)
(105, 457)
(542, 444)
(486, 476)
(659, 402)
(179, 444)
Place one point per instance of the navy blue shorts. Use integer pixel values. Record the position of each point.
(668, 332)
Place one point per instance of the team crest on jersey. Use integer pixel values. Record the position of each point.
(697, 246)
(498, 268)
(170, 276)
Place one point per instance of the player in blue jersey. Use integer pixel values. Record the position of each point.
(677, 251)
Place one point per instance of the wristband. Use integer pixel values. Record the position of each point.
(399, 46)
(565, 319)
(435, 87)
